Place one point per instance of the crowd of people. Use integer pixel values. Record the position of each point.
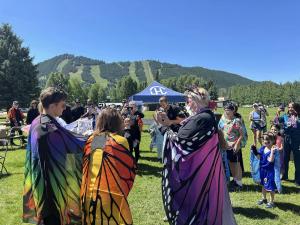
(71, 178)
(270, 149)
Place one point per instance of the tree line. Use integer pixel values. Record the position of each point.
(267, 92)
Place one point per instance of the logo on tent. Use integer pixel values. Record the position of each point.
(157, 90)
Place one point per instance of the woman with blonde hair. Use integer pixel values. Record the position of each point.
(193, 184)
(108, 173)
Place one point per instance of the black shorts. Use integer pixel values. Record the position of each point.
(256, 126)
(234, 157)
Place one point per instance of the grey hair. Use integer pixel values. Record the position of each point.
(199, 95)
(132, 103)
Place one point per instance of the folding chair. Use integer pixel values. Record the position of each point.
(3, 151)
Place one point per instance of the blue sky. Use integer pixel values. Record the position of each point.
(258, 39)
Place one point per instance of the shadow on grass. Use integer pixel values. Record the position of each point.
(150, 158)
(256, 213)
(3, 176)
(257, 188)
(148, 170)
(247, 174)
(285, 206)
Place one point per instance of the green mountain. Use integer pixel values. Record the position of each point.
(89, 71)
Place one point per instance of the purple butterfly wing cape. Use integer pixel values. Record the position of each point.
(53, 171)
(193, 184)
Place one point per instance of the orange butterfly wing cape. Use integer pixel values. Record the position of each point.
(108, 176)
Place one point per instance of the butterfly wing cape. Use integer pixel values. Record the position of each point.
(53, 168)
(193, 183)
(108, 176)
(254, 167)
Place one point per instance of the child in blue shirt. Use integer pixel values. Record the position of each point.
(266, 155)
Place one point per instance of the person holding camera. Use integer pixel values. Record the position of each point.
(130, 112)
(193, 184)
(172, 112)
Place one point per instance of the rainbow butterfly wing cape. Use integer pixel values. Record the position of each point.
(53, 168)
(193, 184)
(108, 176)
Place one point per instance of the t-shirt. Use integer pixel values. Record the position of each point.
(134, 128)
(230, 128)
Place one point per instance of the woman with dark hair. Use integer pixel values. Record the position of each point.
(33, 112)
(108, 173)
(232, 129)
(291, 126)
(193, 185)
(52, 167)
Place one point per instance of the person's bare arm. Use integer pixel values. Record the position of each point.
(237, 144)
(272, 155)
(250, 117)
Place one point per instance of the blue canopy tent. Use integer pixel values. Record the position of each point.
(154, 91)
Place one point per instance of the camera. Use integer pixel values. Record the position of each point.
(161, 109)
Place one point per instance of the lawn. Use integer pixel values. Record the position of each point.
(145, 198)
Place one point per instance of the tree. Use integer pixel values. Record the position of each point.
(18, 74)
(212, 90)
(156, 76)
(102, 95)
(126, 87)
(113, 96)
(142, 86)
(94, 93)
(76, 91)
(58, 80)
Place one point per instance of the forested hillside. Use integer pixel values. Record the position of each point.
(90, 71)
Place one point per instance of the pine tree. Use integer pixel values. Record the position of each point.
(94, 93)
(76, 91)
(18, 74)
(156, 76)
(126, 87)
(102, 95)
(58, 80)
(142, 86)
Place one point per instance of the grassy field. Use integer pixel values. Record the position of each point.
(145, 198)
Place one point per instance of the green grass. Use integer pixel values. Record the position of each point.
(132, 73)
(148, 72)
(62, 64)
(77, 74)
(145, 198)
(96, 73)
